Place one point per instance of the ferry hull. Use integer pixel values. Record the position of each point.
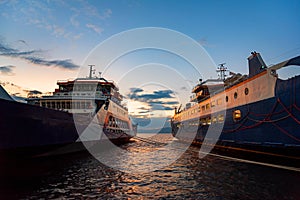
(30, 128)
(272, 124)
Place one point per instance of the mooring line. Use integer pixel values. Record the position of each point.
(255, 162)
(227, 157)
(150, 141)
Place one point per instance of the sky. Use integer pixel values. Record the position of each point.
(45, 41)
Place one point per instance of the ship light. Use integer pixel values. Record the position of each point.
(237, 115)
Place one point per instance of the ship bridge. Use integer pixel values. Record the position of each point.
(204, 89)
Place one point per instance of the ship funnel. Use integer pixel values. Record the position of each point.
(256, 64)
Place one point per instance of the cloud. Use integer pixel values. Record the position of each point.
(163, 102)
(136, 90)
(58, 31)
(23, 42)
(91, 10)
(143, 108)
(107, 13)
(95, 28)
(157, 100)
(45, 15)
(78, 36)
(7, 70)
(63, 64)
(5, 49)
(160, 94)
(144, 112)
(10, 52)
(158, 106)
(33, 92)
(31, 57)
(74, 21)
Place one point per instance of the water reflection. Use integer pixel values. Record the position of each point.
(82, 176)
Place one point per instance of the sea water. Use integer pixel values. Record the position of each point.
(81, 176)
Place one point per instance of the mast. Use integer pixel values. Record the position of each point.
(91, 70)
(221, 70)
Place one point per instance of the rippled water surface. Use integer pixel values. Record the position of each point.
(81, 176)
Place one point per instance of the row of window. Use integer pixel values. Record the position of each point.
(121, 111)
(236, 115)
(117, 123)
(204, 107)
(210, 120)
(213, 104)
(207, 120)
(67, 105)
(81, 94)
(78, 87)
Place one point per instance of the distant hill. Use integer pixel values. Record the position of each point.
(14, 90)
(18, 93)
(165, 129)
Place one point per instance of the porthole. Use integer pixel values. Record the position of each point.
(235, 95)
(246, 91)
(226, 98)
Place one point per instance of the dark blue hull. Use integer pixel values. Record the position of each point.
(37, 129)
(272, 124)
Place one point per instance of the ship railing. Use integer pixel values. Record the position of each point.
(73, 97)
(30, 96)
(65, 81)
(79, 111)
(78, 93)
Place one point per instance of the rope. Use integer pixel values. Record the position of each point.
(285, 132)
(267, 119)
(294, 105)
(274, 113)
(149, 141)
(290, 114)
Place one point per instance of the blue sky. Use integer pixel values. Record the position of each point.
(43, 41)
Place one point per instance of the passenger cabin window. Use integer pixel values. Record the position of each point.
(214, 119)
(213, 103)
(203, 121)
(207, 106)
(220, 118)
(237, 115)
(208, 120)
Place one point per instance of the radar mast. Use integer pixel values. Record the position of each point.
(221, 71)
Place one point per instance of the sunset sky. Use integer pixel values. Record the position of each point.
(45, 41)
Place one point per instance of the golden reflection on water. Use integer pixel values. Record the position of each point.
(84, 177)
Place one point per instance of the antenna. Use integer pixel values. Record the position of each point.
(221, 71)
(92, 71)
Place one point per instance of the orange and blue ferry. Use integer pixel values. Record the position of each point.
(257, 111)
